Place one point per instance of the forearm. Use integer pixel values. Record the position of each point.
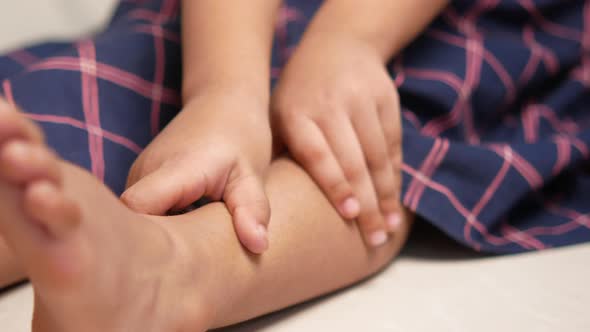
(386, 25)
(227, 43)
(312, 250)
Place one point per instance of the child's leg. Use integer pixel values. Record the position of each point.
(312, 250)
(10, 270)
(97, 266)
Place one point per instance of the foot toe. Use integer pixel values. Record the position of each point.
(22, 162)
(46, 204)
(14, 125)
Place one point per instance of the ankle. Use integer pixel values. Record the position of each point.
(198, 277)
(218, 270)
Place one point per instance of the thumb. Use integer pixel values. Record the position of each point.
(165, 189)
(249, 206)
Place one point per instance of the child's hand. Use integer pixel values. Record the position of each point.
(215, 148)
(337, 110)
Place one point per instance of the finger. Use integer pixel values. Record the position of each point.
(247, 202)
(373, 142)
(390, 115)
(167, 188)
(346, 146)
(309, 147)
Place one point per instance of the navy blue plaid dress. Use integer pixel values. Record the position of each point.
(495, 101)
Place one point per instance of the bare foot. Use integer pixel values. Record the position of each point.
(94, 264)
(10, 270)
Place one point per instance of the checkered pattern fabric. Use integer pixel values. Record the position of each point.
(495, 101)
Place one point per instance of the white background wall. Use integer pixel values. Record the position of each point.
(27, 21)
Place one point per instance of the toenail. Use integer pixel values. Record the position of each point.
(18, 149)
(46, 188)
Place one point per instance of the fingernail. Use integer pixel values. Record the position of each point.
(351, 207)
(378, 238)
(262, 232)
(394, 221)
(19, 149)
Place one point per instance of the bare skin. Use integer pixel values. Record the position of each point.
(340, 118)
(225, 98)
(338, 111)
(10, 270)
(98, 266)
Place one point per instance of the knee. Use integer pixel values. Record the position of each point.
(362, 261)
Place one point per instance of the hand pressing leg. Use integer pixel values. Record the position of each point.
(97, 266)
(312, 250)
